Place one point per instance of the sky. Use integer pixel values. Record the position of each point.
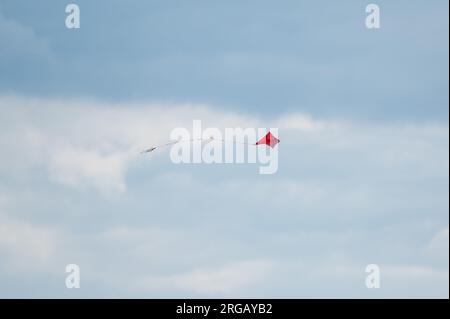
(363, 173)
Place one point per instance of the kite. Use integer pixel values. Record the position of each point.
(269, 139)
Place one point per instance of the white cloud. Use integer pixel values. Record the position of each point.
(341, 186)
(412, 272)
(77, 168)
(88, 144)
(222, 280)
(302, 122)
(28, 247)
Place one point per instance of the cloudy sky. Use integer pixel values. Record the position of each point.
(363, 172)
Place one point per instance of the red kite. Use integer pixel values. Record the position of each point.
(269, 140)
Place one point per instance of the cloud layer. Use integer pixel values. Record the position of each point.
(74, 189)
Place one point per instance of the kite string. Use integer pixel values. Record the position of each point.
(151, 149)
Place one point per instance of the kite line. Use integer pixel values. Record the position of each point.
(268, 140)
(154, 148)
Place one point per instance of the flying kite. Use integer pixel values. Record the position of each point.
(269, 139)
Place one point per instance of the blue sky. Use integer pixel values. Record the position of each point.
(262, 57)
(363, 172)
